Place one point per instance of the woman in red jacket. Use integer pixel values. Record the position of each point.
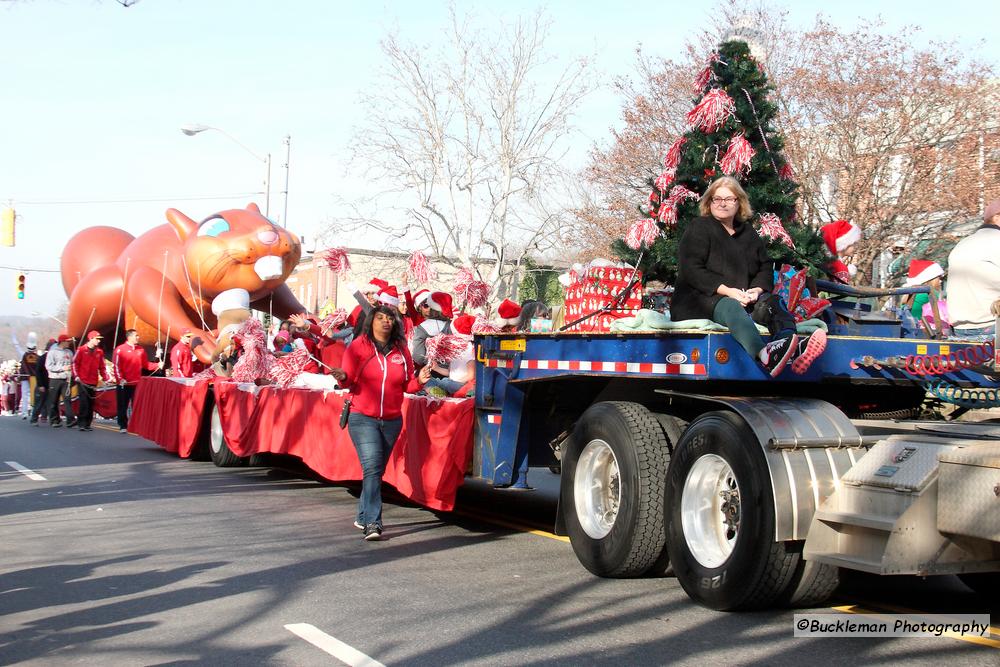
(377, 369)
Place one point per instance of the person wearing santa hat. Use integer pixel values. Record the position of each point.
(974, 278)
(840, 237)
(180, 355)
(922, 272)
(438, 314)
(367, 297)
(89, 369)
(509, 315)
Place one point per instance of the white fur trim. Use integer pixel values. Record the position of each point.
(511, 321)
(845, 241)
(930, 273)
(387, 299)
(852, 270)
(423, 296)
(231, 299)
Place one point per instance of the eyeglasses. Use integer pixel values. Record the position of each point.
(724, 200)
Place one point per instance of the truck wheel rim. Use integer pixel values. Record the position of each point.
(597, 489)
(216, 434)
(710, 510)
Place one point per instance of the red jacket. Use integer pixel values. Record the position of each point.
(129, 362)
(377, 382)
(180, 360)
(88, 364)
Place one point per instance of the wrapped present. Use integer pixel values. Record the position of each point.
(597, 287)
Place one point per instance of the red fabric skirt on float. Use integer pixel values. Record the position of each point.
(427, 464)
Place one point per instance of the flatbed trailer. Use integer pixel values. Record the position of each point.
(677, 450)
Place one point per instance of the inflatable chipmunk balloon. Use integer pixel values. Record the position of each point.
(165, 280)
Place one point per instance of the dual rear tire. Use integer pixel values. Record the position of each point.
(637, 498)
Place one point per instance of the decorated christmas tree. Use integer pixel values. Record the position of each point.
(732, 133)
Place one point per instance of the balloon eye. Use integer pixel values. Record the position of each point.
(213, 227)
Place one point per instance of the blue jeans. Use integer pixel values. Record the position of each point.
(449, 385)
(978, 334)
(373, 439)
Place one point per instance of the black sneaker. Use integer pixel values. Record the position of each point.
(56, 424)
(72, 423)
(776, 354)
(373, 532)
(86, 428)
(809, 350)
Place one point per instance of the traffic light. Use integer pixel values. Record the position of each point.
(20, 286)
(7, 217)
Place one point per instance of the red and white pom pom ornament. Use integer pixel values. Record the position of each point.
(664, 180)
(443, 348)
(420, 269)
(707, 75)
(736, 161)
(336, 259)
(484, 326)
(771, 227)
(668, 210)
(673, 156)
(642, 232)
(286, 369)
(712, 112)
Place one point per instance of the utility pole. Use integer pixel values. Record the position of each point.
(288, 155)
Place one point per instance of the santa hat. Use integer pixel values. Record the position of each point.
(421, 296)
(375, 285)
(389, 296)
(509, 312)
(441, 302)
(462, 324)
(922, 271)
(840, 235)
(231, 299)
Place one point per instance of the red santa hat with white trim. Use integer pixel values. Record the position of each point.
(375, 285)
(420, 296)
(509, 312)
(388, 295)
(840, 235)
(922, 271)
(441, 302)
(462, 325)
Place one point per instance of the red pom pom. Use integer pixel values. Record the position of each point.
(420, 269)
(771, 227)
(673, 156)
(736, 161)
(443, 348)
(287, 368)
(255, 362)
(467, 288)
(641, 232)
(336, 259)
(668, 210)
(712, 112)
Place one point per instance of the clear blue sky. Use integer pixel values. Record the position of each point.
(94, 95)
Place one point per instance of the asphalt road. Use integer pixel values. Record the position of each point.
(126, 555)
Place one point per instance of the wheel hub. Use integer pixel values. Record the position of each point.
(710, 510)
(597, 489)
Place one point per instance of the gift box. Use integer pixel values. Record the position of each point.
(597, 288)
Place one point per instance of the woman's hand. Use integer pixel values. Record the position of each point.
(425, 374)
(338, 374)
(743, 297)
(754, 293)
(298, 320)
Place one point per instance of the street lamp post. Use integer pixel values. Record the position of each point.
(194, 128)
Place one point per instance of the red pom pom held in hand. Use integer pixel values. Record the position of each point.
(420, 270)
(642, 232)
(336, 259)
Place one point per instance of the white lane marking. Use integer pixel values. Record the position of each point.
(30, 474)
(338, 649)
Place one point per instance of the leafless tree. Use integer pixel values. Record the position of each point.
(466, 142)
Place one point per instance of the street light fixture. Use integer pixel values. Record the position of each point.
(192, 129)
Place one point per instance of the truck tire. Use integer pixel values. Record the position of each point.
(613, 474)
(673, 427)
(812, 584)
(720, 518)
(222, 456)
(986, 584)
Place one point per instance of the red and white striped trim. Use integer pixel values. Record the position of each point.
(492, 419)
(601, 366)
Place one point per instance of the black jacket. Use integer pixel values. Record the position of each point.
(708, 257)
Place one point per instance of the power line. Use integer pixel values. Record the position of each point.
(51, 202)
(18, 268)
